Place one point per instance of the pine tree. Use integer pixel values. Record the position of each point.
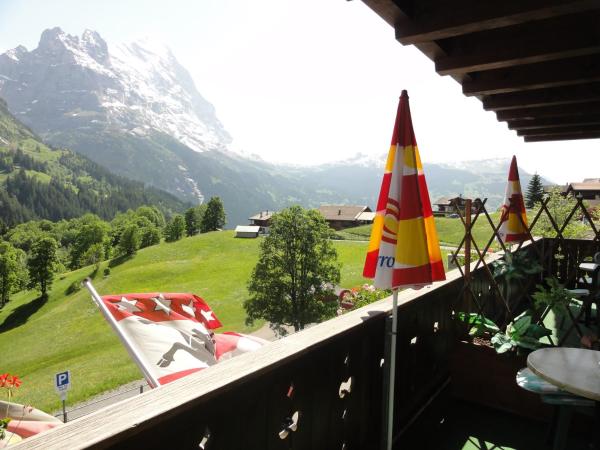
(535, 191)
(175, 228)
(9, 271)
(193, 218)
(42, 264)
(130, 240)
(214, 216)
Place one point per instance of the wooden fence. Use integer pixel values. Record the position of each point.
(321, 388)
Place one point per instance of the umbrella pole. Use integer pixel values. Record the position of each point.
(390, 425)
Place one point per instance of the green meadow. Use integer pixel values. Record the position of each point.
(68, 332)
(450, 231)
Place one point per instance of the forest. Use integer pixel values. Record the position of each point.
(31, 253)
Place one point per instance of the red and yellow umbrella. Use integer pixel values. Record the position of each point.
(513, 228)
(404, 248)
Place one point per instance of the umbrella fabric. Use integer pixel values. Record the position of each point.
(404, 248)
(513, 228)
(25, 422)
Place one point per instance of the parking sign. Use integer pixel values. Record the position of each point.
(62, 381)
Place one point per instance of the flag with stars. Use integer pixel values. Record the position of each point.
(170, 332)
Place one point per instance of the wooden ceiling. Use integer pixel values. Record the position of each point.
(535, 63)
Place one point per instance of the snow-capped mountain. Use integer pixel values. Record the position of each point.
(135, 110)
(74, 83)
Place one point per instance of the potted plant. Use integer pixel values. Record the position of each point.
(511, 269)
(553, 296)
(484, 367)
(522, 335)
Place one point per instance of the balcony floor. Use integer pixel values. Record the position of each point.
(466, 426)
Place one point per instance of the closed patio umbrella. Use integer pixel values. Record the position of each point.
(513, 228)
(404, 250)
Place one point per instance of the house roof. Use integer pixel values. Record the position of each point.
(263, 215)
(342, 212)
(534, 63)
(366, 216)
(584, 186)
(443, 201)
(247, 229)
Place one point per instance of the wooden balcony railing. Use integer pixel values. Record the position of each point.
(250, 401)
(321, 388)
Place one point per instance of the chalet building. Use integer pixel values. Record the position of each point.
(447, 205)
(588, 189)
(262, 219)
(346, 216)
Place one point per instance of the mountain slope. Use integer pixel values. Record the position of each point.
(360, 180)
(135, 110)
(39, 182)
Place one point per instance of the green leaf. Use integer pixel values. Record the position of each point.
(519, 326)
(502, 343)
(528, 342)
(537, 331)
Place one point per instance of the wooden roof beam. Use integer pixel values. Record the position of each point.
(562, 137)
(575, 109)
(439, 19)
(553, 131)
(523, 44)
(549, 122)
(583, 69)
(543, 97)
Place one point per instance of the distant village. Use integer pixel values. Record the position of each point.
(340, 217)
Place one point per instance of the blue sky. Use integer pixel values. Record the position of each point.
(305, 81)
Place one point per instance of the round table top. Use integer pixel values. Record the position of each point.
(574, 370)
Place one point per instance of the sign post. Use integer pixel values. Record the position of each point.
(62, 383)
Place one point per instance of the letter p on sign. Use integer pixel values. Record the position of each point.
(62, 381)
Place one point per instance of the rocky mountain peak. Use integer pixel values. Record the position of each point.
(95, 46)
(77, 83)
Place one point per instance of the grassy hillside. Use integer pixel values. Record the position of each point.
(68, 332)
(40, 182)
(450, 231)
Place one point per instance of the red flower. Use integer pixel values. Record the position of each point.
(9, 381)
(15, 381)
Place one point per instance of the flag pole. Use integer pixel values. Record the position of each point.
(390, 425)
(128, 343)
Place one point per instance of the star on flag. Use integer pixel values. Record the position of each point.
(190, 309)
(208, 315)
(162, 304)
(128, 305)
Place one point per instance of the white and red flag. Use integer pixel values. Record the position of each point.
(169, 333)
(231, 344)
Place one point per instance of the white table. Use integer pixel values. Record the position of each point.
(573, 370)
